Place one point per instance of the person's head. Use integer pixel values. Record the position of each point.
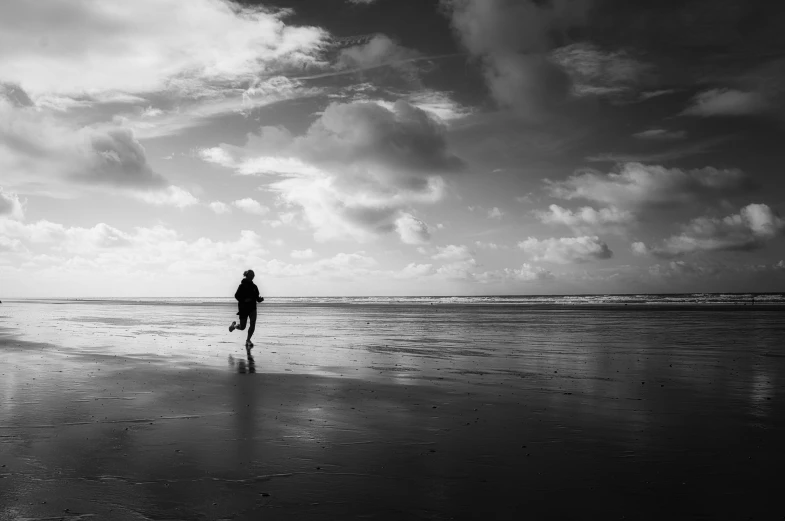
(248, 274)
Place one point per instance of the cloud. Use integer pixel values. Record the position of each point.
(495, 213)
(439, 104)
(15, 95)
(595, 72)
(512, 40)
(660, 134)
(458, 270)
(196, 106)
(302, 254)
(70, 47)
(111, 251)
(639, 248)
(453, 253)
(488, 245)
(671, 154)
(412, 230)
(284, 219)
(726, 102)
(566, 250)
(636, 185)
(219, 207)
(10, 205)
(116, 158)
(45, 155)
(347, 266)
(656, 93)
(750, 229)
(171, 196)
(379, 50)
(526, 273)
(587, 219)
(416, 271)
(251, 206)
(356, 171)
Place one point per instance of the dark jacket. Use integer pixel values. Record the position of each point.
(247, 290)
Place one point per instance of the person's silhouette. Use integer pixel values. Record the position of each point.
(247, 296)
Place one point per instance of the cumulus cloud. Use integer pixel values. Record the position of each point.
(637, 185)
(640, 248)
(495, 213)
(171, 196)
(67, 46)
(750, 229)
(44, 154)
(526, 273)
(356, 171)
(157, 248)
(380, 50)
(10, 205)
(303, 254)
(219, 207)
(512, 39)
(416, 271)
(566, 250)
(116, 158)
(604, 220)
(488, 245)
(346, 266)
(251, 206)
(453, 253)
(412, 230)
(726, 102)
(458, 270)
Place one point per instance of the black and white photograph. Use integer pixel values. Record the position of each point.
(392, 260)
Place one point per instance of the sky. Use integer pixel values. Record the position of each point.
(391, 147)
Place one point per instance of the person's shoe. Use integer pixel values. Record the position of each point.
(248, 344)
(233, 326)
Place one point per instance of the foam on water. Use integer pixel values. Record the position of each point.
(520, 300)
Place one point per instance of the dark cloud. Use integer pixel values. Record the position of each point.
(636, 186)
(10, 205)
(402, 140)
(512, 40)
(116, 158)
(15, 95)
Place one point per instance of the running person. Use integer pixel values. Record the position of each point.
(247, 296)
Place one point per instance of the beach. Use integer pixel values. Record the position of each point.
(151, 410)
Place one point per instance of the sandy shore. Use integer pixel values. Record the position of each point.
(132, 437)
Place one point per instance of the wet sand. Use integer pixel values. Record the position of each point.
(562, 415)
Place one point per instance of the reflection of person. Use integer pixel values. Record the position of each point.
(247, 296)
